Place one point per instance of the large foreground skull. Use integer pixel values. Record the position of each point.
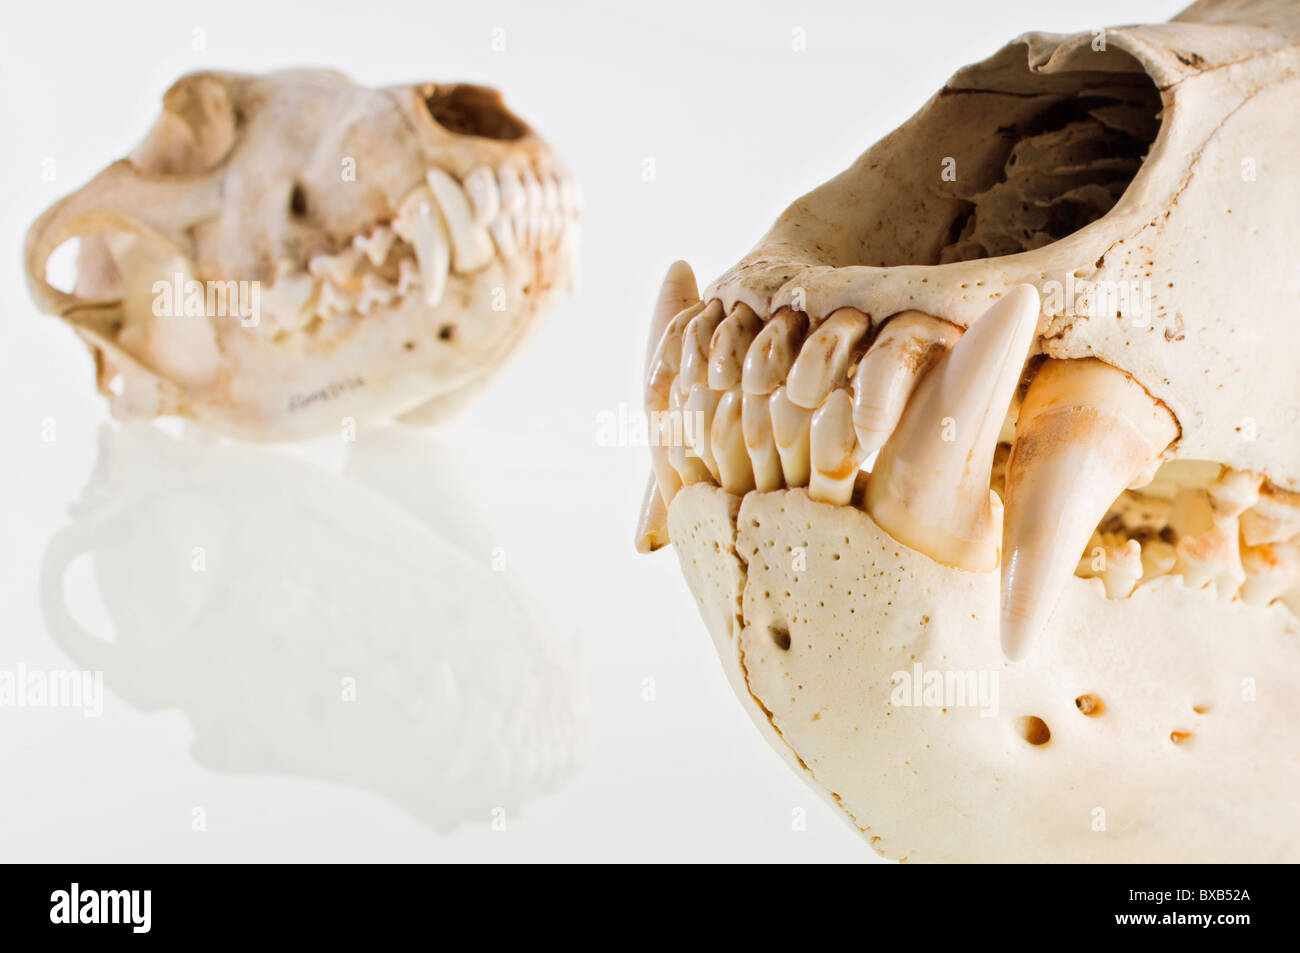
(287, 252)
(1058, 310)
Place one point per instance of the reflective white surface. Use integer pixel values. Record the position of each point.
(420, 646)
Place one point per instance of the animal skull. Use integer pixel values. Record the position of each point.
(922, 642)
(358, 253)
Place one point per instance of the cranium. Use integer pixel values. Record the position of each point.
(397, 245)
(1138, 704)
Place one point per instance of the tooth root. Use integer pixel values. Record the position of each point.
(471, 244)
(730, 344)
(910, 344)
(834, 450)
(698, 412)
(756, 424)
(484, 195)
(727, 438)
(790, 425)
(1086, 430)
(823, 360)
(652, 524)
(770, 357)
(677, 293)
(690, 468)
(1214, 556)
(666, 361)
(1271, 570)
(930, 486)
(695, 347)
(1274, 517)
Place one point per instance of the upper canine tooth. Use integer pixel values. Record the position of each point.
(835, 452)
(770, 357)
(470, 242)
(908, 346)
(824, 358)
(695, 347)
(930, 485)
(756, 423)
(419, 223)
(729, 346)
(484, 195)
(1273, 518)
(790, 424)
(1086, 431)
(727, 441)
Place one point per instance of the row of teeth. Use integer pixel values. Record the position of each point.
(786, 402)
(450, 227)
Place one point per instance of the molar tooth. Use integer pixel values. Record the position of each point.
(729, 346)
(470, 242)
(376, 245)
(835, 452)
(908, 346)
(1158, 558)
(699, 408)
(790, 425)
(756, 424)
(374, 290)
(930, 486)
(727, 438)
(1273, 518)
(1212, 557)
(484, 195)
(1086, 432)
(695, 347)
(824, 358)
(1272, 570)
(770, 357)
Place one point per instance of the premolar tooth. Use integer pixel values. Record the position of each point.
(823, 360)
(729, 346)
(484, 195)
(337, 268)
(790, 424)
(332, 301)
(908, 346)
(470, 242)
(834, 449)
(1158, 558)
(756, 424)
(695, 347)
(1234, 492)
(1086, 432)
(727, 439)
(1273, 518)
(1212, 557)
(1123, 569)
(699, 408)
(1272, 571)
(376, 245)
(770, 357)
(929, 487)
(408, 276)
(374, 290)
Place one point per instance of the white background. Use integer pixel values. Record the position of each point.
(222, 688)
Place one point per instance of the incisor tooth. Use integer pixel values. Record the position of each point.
(727, 440)
(484, 195)
(834, 449)
(1086, 432)
(699, 407)
(756, 423)
(823, 360)
(729, 346)
(930, 486)
(790, 424)
(908, 346)
(770, 357)
(471, 244)
(1273, 518)
(695, 347)
(337, 268)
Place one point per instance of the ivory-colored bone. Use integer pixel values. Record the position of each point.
(731, 342)
(823, 360)
(834, 451)
(770, 357)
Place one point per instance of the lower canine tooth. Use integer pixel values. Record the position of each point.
(790, 424)
(910, 344)
(770, 357)
(835, 452)
(695, 347)
(929, 487)
(729, 346)
(756, 423)
(824, 358)
(727, 441)
(470, 242)
(1086, 431)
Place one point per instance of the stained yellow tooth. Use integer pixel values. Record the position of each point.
(699, 408)
(823, 360)
(756, 423)
(1086, 432)
(730, 344)
(681, 453)
(834, 450)
(770, 357)
(666, 360)
(471, 244)
(790, 424)
(695, 347)
(727, 440)
(929, 487)
(908, 346)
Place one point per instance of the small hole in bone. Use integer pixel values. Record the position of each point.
(446, 332)
(781, 638)
(1033, 729)
(298, 201)
(1179, 737)
(1090, 705)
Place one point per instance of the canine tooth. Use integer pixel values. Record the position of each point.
(1273, 518)
(374, 290)
(695, 347)
(1086, 431)
(824, 358)
(337, 268)
(834, 449)
(376, 245)
(700, 406)
(470, 242)
(666, 361)
(770, 357)
(652, 524)
(484, 195)
(408, 276)
(1272, 571)
(930, 486)
(790, 424)
(908, 346)
(729, 346)
(1212, 557)
(432, 252)
(727, 441)
(756, 424)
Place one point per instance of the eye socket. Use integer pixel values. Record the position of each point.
(298, 201)
(472, 111)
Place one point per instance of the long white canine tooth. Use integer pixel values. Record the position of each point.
(677, 293)
(470, 242)
(727, 439)
(770, 357)
(1085, 433)
(484, 195)
(823, 360)
(1272, 570)
(376, 245)
(730, 344)
(338, 267)
(698, 409)
(929, 487)
(419, 223)
(834, 449)
(909, 345)
(374, 290)
(1274, 517)
(695, 347)
(790, 424)
(756, 424)
(652, 523)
